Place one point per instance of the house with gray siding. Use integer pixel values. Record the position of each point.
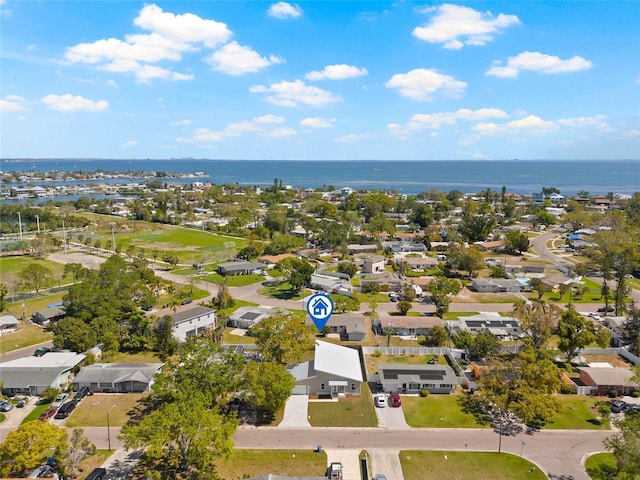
(33, 375)
(117, 377)
(413, 378)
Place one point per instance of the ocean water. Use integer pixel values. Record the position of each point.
(408, 177)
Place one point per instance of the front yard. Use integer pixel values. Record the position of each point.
(92, 411)
(372, 361)
(244, 463)
(351, 411)
(28, 334)
(440, 411)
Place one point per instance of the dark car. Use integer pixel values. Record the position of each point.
(606, 309)
(186, 301)
(618, 406)
(97, 474)
(47, 414)
(80, 394)
(21, 403)
(65, 410)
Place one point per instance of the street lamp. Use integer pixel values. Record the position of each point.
(109, 427)
(64, 233)
(522, 448)
(113, 237)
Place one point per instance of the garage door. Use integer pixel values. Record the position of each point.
(300, 390)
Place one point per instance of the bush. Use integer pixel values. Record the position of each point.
(424, 392)
(635, 394)
(567, 389)
(377, 354)
(613, 393)
(50, 394)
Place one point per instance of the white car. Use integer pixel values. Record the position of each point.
(60, 400)
(380, 400)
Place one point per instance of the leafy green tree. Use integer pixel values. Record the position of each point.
(74, 334)
(538, 286)
(348, 268)
(463, 340)
(283, 243)
(223, 296)
(268, 385)
(632, 328)
(80, 448)
(485, 344)
(35, 275)
(253, 250)
(517, 241)
(297, 271)
(437, 337)
(524, 386)
(163, 340)
(30, 445)
(625, 445)
(476, 228)
(282, 338)
(467, 259)
(4, 291)
(422, 215)
(49, 395)
(576, 332)
(171, 260)
(403, 307)
(332, 234)
(76, 270)
(538, 320)
(343, 304)
(440, 290)
(187, 436)
(497, 271)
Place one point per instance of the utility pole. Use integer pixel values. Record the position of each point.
(20, 225)
(64, 234)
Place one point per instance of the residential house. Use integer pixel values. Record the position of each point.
(33, 375)
(351, 326)
(194, 321)
(490, 246)
(240, 267)
(413, 378)
(271, 260)
(496, 285)
(523, 268)
(332, 282)
(405, 247)
(387, 281)
(408, 326)
(493, 322)
(373, 264)
(420, 264)
(8, 324)
(117, 377)
(605, 379)
(362, 248)
(47, 315)
(247, 317)
(334, 371)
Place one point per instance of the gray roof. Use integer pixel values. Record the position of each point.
(302, 371)
(52, 312)
(418, 373)
(353, 322)
(38, 371)
(240, 266)
(117, 372)
(610, 375)
(244, 313)
(8, 320)
(192, 313)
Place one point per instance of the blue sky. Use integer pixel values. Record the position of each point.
(320, 80)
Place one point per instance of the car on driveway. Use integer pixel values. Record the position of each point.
(60, 400)
(380, 400)
(618, 406)
(65, 410)
(5, 406)
(21, 403)
(47, 414)
(394, 399)
(605, 309)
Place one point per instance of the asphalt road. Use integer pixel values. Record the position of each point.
(23, 352)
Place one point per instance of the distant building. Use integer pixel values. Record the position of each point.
(194, 321)
(8, 324)
(240, 267)
(605, 379)
(496, 324)
(47, 315)
(117, 377)
(33, 375)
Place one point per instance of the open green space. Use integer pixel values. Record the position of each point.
(2, 417)
(440, 411)
(372, 361)
(284, 292)
(350, 411)
(138, 357)
(236, 305)
(602, 466)
(253, 463)
(422, 465)
(10, 268)
(28, 334)
(452, 316)
(92, 411)
(231, 339)
(577, 412)
(234, 280)
(92, 461)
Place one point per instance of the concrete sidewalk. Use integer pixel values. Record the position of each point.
(296, 412)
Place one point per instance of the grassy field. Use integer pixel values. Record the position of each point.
(244, 463)
(577, 412)
(92, 411)
(421, 465)
(229, 338)
(34, 303)
(438, 411)
(284, 292)
(10, 268)
(356, 411)
(601, 466)
(372, 361)
(28, 334)
(141, 357)
(98, 458)
(2, 417)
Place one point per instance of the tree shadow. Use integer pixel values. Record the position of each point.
(289, 294)
(602, 472)
(472, 406)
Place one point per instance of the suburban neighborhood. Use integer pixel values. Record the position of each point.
(489, 324)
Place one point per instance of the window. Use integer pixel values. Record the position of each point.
(322, 386)
(428, 385)
(353, 386)
(414, 386)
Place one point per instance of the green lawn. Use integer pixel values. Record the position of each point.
(10, 268)
(35, 413)
(253, 463)
(236, 305)
(601, 466)
(2, 417)
(284, 292)
(92, 461)
(140, 357)
(373, 361)
(422, 465)
(229, 338)
(451, 316)
(28, 334)
(439, 411)
(577, 412)
(92, 411)
(234, 280)
(356, 411)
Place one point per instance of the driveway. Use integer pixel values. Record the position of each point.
(391, 417)
(296, 412)
(15, 416)
(121, 463)
(350, 460)
(386, 461)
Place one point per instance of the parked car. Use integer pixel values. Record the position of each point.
(5, 406)
(80, 394)
(97, 474)
(186, 301)
(65, 410)
(380, 476)
(60, 400)
(21, 403)
(44, 471)
(394, 399)
(606, 309)
(380, 400)
(41, 351)
(47, 414)
(618, 406)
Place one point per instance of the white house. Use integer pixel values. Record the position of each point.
(373, 264)
(8, 323)
(498, 325)
(193, 322)
(335, 371)
(33, 375)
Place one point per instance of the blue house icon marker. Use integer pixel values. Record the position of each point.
(320, 307)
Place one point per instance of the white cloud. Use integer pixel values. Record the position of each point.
(336, 72)
(435, 120)
(180, 123)
(284, 10)
(280, 133)
(269, 118)
(593, 121)
(204, 134)
(130, 144)
(295, 94)
(11, 103)
(236, 59)
(70, 103)
(32, 47)
(530, 124)
(187, 28)
(351, 138)
(421, 84)
(316, 122)
(5, 12)
(455, 25)
(537, 62)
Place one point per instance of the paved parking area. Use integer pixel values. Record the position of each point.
(296, 412)
(391, 417)
(386, 461)
(350, 460)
